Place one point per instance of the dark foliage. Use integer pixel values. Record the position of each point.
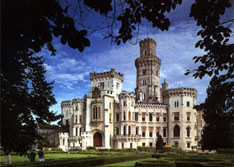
(133, 13)
(218, 114)
(159, 143)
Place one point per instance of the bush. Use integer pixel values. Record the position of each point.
(187, 164)
(91, 148)
(225, 151)
(145, 148)
(155, 164)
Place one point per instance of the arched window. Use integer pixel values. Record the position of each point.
(95, 112)
(188, 131)
(124, 130)
(124, 116)
(129, 116)
(176, 131)
(129, 130)
(98, 113)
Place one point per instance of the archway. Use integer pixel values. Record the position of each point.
(97, 140)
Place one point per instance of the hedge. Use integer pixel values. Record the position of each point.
(225, 151)
(92, 161)
(155, 164)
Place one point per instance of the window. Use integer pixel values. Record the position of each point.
(67, 122)
(144, 72)
(188, 145)
(129, 130)
(176, 116)
(176, 144)
(117, 117)
(117, 131)
(124, 103)
(130, 145)
(188, 116)
(157, 117)
(110, 117)
(165, 117)
(164, 132)
(124, 130)
(122, 145)
(143, 116)
(136, 116)
(150, 132)
(143, 96)
(151, 117)
(76, 108)
(95, 112)
(129, 116)
(137, 130)
(176, 103)
(143, 132)
(110, 105)
(188, 131)
(143, 144)
(117, 85)
(188, 103)
(151, 144)
(76, 119)
(80, 118)
(176, 131)
(158, 131)
(76, 131)
(80, 131)
(99, 113)
(101, 85)
(63, 141)
(144, 82)
(124, 116)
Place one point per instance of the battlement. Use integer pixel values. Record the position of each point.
(126, 95)
(77, 100)
(155, 105)
(147, 41)
(109, 74)
(181, 91)
(66, 103)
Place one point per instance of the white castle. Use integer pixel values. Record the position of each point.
(108, 117)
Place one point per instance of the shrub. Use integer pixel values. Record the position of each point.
(155, 164)
(91, 148)
(225, 151)
(145, 148)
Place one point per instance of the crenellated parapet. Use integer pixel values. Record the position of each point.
(151, 105)
(109, 74)
(66, 103)
(77, 100)
(181, 92)
(126, 95)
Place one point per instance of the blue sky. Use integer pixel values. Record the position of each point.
(70, 69)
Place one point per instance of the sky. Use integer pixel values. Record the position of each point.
(176, 47)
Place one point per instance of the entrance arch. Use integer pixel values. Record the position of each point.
(97, 140)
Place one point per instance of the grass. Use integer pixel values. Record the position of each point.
(17, 158)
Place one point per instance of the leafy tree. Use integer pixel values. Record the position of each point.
(159, 143)
(218, 114)
(218, 63)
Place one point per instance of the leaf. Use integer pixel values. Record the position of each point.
(198, 44)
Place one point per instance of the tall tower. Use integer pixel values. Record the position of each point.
(148, 73)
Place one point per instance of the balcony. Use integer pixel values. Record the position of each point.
(135, 138)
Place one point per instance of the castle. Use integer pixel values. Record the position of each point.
(108, 117)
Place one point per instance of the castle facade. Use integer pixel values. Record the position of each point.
(108, 117)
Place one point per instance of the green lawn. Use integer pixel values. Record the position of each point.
(17, 158)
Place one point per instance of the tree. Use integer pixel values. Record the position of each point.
(218, 114)
(218, 63)
(159, 143)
